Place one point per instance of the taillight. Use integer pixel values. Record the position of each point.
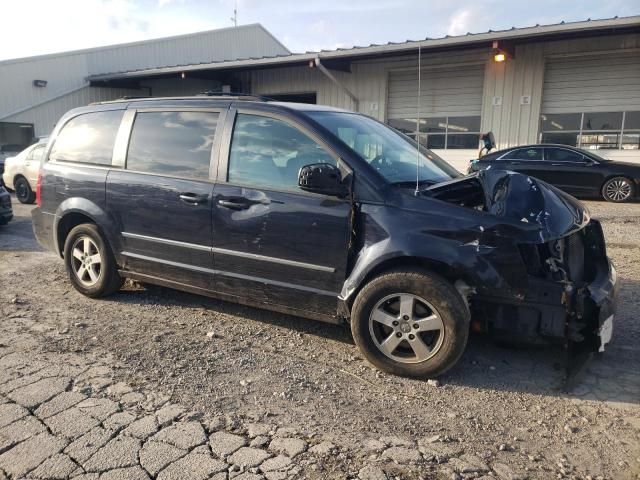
(39, 189)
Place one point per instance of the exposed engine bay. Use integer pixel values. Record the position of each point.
(567, 299)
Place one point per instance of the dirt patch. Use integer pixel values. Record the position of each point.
(502, 406)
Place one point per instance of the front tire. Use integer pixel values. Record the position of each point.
(90, 263)
(618, 190)
(24, 194)
(410, 323)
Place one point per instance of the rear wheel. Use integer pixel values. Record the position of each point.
(410, 323)
(618, 189)
(90, 263)
(24, 194)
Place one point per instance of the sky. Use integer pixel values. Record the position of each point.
(32, 27)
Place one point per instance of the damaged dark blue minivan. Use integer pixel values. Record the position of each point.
(324, 214)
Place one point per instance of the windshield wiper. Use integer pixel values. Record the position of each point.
(412, 183)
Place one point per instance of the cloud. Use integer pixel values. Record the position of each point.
(461, 22)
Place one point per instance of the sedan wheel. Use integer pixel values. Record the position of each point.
(24, 194)
(406, 328)
(618, 189)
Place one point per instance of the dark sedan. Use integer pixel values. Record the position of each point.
(6, 212)
(578, 172)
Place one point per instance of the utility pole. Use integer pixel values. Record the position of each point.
(234, 19)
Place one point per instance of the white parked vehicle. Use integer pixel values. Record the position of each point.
(21, 172)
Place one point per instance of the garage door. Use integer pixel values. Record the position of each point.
(592, 102)
(602, 83)
(450, 104)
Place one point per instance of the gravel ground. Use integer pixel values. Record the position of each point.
(501, 412)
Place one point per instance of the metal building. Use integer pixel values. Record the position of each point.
(574, 83)
(36, 91)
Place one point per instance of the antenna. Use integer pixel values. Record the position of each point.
(418, 124)
(234, 19)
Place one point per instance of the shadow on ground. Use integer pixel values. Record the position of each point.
(613, 376)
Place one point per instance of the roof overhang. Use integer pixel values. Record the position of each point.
(342, 56)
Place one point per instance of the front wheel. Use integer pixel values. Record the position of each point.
(24, 194)
(90, 263)
(618, 189)
(410, 323)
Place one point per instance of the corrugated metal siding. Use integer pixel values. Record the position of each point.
(175, 87)
(444, 91)
(67, 71)
(245, 41)
(16, 79)
(596, 83)
(512, 122)
(45, 116)
(367, 80)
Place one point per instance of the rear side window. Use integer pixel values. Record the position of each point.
(172, 143)
(563, 155)
(36, 154)
(87, 138)
(524, 154)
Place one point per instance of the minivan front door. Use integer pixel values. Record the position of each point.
(161, 200)
(274, 243)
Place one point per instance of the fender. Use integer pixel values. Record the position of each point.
(483, 258)
(97, 215)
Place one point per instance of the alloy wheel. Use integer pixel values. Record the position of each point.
(406, 328)
(618, 190)
(86, 261)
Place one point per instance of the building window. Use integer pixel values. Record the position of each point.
(592, 130)
(442, 132)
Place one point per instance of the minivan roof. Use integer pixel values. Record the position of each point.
(249, 99)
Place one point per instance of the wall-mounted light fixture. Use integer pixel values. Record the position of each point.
(183, 75)
(40, 83)
(502, 51)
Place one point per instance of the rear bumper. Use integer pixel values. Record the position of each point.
(43, 228)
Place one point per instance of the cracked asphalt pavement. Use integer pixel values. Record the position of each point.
(154, 383)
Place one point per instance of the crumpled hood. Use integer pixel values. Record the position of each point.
(517, 197)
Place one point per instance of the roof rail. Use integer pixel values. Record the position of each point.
(235, 96)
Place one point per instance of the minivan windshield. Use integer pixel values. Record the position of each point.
(386, 150)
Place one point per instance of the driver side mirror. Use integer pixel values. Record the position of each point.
(323, 178)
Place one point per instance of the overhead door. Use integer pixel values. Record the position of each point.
(592, 101)
(450, 104)
(593, 83)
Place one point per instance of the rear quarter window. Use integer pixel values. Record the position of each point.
(87, 138)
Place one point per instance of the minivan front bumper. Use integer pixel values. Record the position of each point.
(579, 317)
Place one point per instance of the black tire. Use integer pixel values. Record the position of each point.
(445, 302)
(24, 194)
(618, 190)
(107, 279)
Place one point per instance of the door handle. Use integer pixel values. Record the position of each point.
(239, 204)
(193, 198)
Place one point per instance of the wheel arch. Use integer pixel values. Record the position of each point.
(449, 273)
(76, 211)
(19, 175)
